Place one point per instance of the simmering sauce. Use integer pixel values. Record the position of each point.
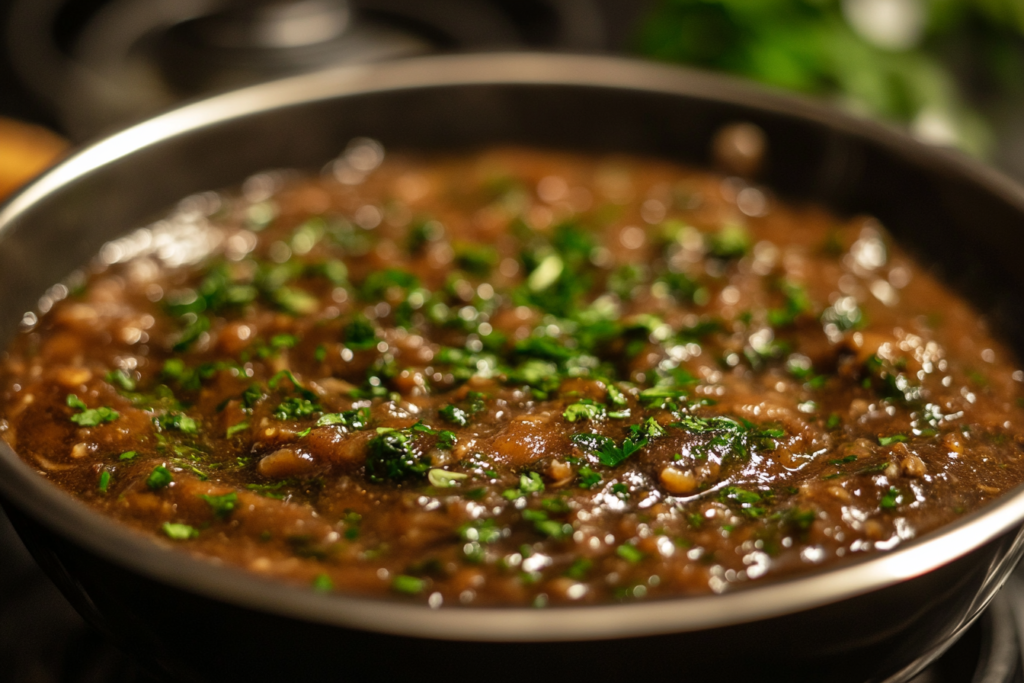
(514, 377)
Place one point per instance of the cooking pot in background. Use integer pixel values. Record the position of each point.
(879, 618)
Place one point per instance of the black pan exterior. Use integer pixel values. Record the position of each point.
(876, 619)
(182, 636)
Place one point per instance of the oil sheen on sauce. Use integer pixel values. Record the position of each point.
(513, 377)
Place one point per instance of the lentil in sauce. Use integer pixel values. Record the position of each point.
(514, 377)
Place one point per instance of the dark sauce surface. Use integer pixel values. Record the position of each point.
(516, 377)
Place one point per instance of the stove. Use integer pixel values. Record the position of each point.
(96, 65)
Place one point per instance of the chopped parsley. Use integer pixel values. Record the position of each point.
(221, 505)
(360, 334)
(178, 422)
(730, 242)
(352, 419)
(90, 417)
(295, 408)
(545, 526)
(584, 410)
(159, 478)
(630, 553)
(891, 499)
(484, 531)
(588, 478)
(235, 429)
(579, 569)
(180, 532)
(393, 456)
(455, 415)
(796, 304)
(445, 479)
(121, 379)
(409, 585)
(750, 503)
(478, 259)
(322, 583)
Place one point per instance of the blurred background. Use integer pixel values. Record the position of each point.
(949, 71)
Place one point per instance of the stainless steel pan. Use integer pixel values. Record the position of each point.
(880, 618)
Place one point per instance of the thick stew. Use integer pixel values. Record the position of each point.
(514, 377)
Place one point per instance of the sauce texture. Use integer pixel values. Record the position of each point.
(514, 377)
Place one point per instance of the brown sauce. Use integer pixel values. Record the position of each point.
(515, 377)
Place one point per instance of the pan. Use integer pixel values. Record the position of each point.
(881, 618)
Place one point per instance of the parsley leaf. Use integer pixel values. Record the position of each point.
(121, 379)
(579, 569)
(360, 334)
(177, 421)
(90, 417)
(611, 455)
(351, 419)
(584, 410)
(235, 429)
(891, 499)
(392, 456)
(221, 505)
(410, 585)
(322, 583)
(730, 242)
(750, 503)
(295, 408)
(191, 332)
(588, 478)
(481, 530)
(180, 532)
(529, 482)
(457, 416)
(159, 478)
(478, 259)
(548, 527)
(630, 553)
(590, 443)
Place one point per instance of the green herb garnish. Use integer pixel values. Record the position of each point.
(322, 583)
(584, 410)
(235, 429)
(90, 417)
(360, 334)
(178, 422)
(588, 478)
(630, 553)
(410, 585)
(891, 499)
(393, 456)
(180, 532)
(120, 379)
(159, 478)
(222, 505)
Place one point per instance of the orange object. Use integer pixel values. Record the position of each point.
(25, 151)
